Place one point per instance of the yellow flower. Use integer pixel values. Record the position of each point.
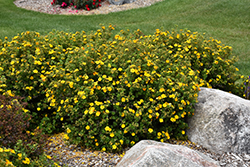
(176, 117)
(19, 156)
(150, 111)
(123, 99)
(87, 127)
(191, 72)
(71, 84)
(167, 135)
(114, 147)
(150, 130)
(66, 136)
(132, 70)
(98, 113)
(8, 162)
(161, 120)
(35, 71)
(183, 102)
(157, 114)
(121, 141)
(68, 130)
(107, 128)
(132, 142)
(97, 144)
(183, 132)
(112, 134)
(123, 125)
(26, 161)
(172, 119)
(61, 119)
(49, 157)
(125, 131)
(103, 149)
(133, 134)
(109, 88)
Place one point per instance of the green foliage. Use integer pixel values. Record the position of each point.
(12, 157)
(110, 91)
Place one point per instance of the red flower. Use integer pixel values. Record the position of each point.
(99, 0)
(87, 6)
(88, 9)
(93, 3)
(75, 7)
(64, 4)
(100, 5)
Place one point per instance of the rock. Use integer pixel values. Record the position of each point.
(149, 153)
(221, 122)
(120, 2)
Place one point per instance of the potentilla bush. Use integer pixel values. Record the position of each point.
(110, 91)
(78, 4)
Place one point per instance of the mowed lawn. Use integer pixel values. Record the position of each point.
(224, 20)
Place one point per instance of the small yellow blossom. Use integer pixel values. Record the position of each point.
(26, 161)
(114, 147)
(68, 130)
(112, 134)
(87, 127)
(150, 130)
(123, 125)
(49, 157)
(172, 119)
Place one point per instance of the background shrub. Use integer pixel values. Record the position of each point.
(78, 4)
(14, 127)
(110, 91)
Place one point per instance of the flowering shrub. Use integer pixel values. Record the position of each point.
(110, 91)
(78, 4)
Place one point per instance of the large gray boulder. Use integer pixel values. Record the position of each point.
(221, 122)
(120, 2)
(149, 153)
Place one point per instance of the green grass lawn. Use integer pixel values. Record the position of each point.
(225, 20)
